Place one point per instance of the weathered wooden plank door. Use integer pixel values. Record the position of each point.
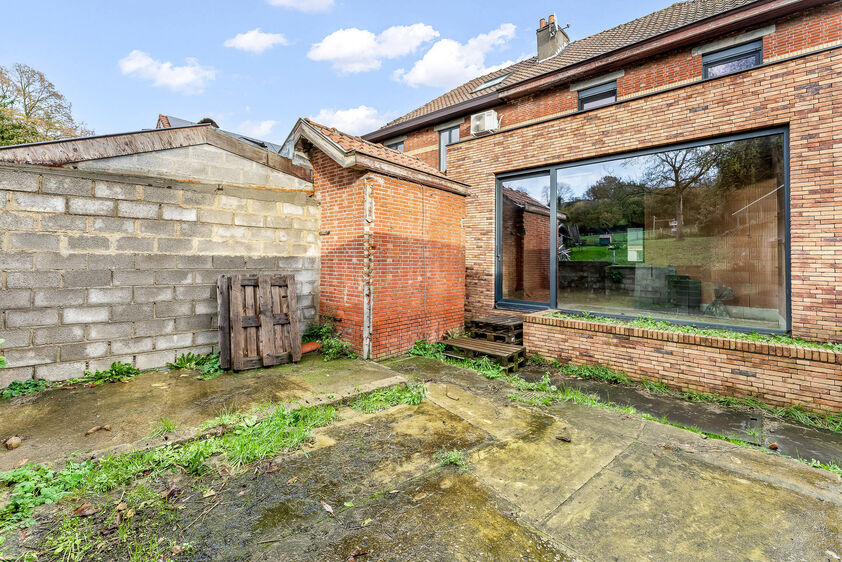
(263, 316)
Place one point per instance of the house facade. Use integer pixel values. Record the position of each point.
(688, 160)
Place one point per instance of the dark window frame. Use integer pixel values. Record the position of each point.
(450, 132)
(528, 306)
(399, 146)
(731, 54)
(604, 92)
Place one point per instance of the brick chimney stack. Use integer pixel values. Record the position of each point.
(551, 39)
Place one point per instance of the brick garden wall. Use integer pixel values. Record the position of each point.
(778, 374)
(99, 267)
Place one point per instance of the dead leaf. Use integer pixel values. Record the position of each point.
(122, 506)
(327, 507)
(106, 427)
(208, 494)
(242, 492)
(272, 468)
(84, 510)
(394, 491)
(21, 463)
(93, 430)
(563, 437)
(292, 480)
(171, 492)
(177, 549)
(773, 446)
(356, 555)
(129, 514)
(13, 442)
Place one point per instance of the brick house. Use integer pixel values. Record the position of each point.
(689, 164)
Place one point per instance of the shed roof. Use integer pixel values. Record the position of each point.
(353, 152)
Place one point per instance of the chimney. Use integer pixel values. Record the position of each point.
(551, 38)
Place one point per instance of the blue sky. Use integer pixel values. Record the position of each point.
(353, 64)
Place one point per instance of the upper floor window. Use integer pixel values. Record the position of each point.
(491, 82)
(597, 96)
(735, 59)
(396, 146)
(446, 137)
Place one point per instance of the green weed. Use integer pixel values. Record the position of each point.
(208, 364)
(162, 426)
(652, 324)
(3, 361)
(117, 372)
(72, 541)
(332, 345)
(410, 393)
(454, 457)
(28, 386)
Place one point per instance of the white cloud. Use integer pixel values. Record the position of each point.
(304, 5)
(354, 120)
(359, 50)
(188, 79)
(255, 41)
(258, 129)
(449, 63)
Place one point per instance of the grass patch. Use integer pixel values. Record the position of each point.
(282, 430)
(162, 426)
(597, 372)
(663, 325)
(245, 439)
(208, 364)
(454, 457)
(410, 393)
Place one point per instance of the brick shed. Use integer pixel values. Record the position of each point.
(392, 242)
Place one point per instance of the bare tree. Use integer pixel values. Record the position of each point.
(680, 171)
(32, 98)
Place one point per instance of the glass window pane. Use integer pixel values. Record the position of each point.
(525, 234)
(732, 66)
(598, 101)
(694, 235)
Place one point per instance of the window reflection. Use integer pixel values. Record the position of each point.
(695, 234)
(525, 236)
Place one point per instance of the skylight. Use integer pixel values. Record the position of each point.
(492, 82)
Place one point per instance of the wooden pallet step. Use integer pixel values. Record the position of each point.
(497, 349)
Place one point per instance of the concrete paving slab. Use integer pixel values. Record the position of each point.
(55, 421)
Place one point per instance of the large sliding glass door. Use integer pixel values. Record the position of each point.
(695, 233)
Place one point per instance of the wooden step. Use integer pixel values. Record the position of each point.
(498, 328)
(508, 356)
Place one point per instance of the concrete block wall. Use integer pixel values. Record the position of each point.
(98, 267)
(203, 163)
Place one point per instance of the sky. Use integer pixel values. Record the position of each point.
(255, 66)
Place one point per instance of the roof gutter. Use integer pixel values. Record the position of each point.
(473, 104)
(732, 20)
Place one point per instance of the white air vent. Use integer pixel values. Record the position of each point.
(484, 122)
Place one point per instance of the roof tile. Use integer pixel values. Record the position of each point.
(670, 18)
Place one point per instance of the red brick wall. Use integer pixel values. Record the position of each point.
(340, 193)
(777, 374)
(413, 253)
(804, 93)
(418, 264)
